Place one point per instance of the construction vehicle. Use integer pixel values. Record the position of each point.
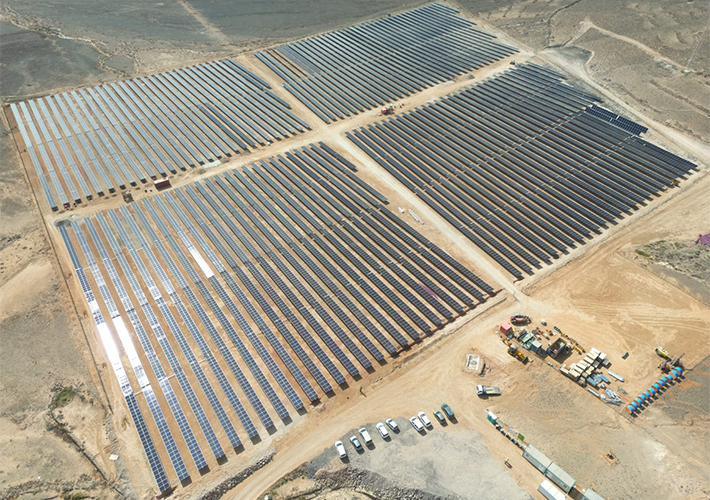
(662, 353)
(485, 390)
(517, 353)
(520, 319)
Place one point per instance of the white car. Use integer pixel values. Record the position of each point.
(416, 424)
(382, 430)
(341, 449)
(422, 416)
(392, 424)
(365, 436)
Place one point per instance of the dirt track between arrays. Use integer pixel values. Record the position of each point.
(602, 300)
(599, 298)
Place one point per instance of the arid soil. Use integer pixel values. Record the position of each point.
(602, 300)
(635, 56)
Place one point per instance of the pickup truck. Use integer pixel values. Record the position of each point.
(483, 390)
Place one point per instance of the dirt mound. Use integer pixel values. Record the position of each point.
(686, 257)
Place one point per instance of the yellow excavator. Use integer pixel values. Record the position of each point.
(517, 353)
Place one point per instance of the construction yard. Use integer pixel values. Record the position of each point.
(199, 299)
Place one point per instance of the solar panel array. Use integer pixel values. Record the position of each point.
(96, 140)
(345, 72)
(520, 165)
(318, 278)
(111, 353)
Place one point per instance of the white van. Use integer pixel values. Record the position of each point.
(416, 424)
(341, 449)
(366, 436)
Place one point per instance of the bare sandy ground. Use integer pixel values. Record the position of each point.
(602, 300)
(599, 297)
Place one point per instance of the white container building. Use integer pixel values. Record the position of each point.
(558, 476)
(537, 458)
(550, 491)
(589, 494)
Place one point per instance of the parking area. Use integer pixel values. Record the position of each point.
(408, 461)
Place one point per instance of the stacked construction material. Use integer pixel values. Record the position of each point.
(647, 396)
(583, 369)
(612, 397)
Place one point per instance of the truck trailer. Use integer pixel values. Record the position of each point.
(483, 390)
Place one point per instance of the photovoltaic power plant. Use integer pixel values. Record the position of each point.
(345, 72)
(100, 139)
(523, 164)
(239, 299)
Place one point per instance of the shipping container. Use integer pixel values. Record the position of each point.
(588, 494)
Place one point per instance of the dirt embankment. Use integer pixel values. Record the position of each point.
(682, 263)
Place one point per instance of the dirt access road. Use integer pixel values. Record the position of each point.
(577, 296)
(602, 300)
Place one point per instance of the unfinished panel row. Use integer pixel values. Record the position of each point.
(523, 164)
(244, 297)
(345, 72)
(97, 140)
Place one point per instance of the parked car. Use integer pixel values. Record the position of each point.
(356, 442)
(440, 417)
(422, 416)
(365, 435)
(341, 449)
(392, 424)
(382, 429)
(447, 411)
(416, 424)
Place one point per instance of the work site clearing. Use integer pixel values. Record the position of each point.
(471, 249)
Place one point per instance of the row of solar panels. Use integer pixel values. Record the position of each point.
(304, 246)
(517, 165)
(345, 72)
(96, 140)
(617, 120)
(134, 409)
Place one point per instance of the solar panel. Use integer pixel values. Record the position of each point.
(320, 70)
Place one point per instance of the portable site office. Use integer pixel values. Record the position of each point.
(537, 458)
(591, 495)
(558, 476)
